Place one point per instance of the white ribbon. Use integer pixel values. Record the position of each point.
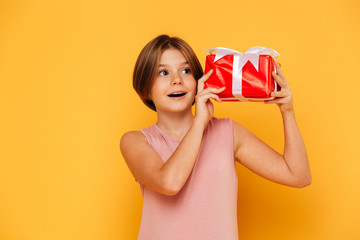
(240, 59)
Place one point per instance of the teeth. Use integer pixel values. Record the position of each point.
(176, 94)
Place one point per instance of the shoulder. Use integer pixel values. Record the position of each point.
(242, 135)
(137, 135)
(240, 131)
(131, 139)
(132, 134)
(238, 127)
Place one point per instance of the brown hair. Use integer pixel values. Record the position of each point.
(147, 63)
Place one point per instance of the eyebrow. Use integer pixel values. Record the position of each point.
(163, 65)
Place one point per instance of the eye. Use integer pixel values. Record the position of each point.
(163, 73)
(186, 70)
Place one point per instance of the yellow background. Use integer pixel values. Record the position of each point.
(66, 98)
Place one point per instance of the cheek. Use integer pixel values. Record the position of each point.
(156, 89)
(192, 83)
(195, 87)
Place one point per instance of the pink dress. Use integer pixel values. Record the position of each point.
(206, 206)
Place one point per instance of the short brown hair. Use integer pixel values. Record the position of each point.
(147, 63)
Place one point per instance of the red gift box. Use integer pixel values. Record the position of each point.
(247, 77)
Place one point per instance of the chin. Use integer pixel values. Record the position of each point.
(180, 109)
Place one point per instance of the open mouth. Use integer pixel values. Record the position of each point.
(178, 94)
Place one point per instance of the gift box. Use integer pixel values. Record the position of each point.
(247, 77)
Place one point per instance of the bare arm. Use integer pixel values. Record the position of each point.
(169, 177)
(292, 167)
(148, 168)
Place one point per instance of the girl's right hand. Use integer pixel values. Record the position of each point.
(204, 108)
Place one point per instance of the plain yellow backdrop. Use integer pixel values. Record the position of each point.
(66, 98)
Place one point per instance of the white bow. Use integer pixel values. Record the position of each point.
(252, 55)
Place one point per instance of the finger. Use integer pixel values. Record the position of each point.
(202, 80)
(213, 90)
(278, 68)
(215, 97)
(281, 94)
(280, 80)
(277, 100)
(206, 96)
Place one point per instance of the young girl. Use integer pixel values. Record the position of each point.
(185, 164)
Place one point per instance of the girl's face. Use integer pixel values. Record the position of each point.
(174, 88)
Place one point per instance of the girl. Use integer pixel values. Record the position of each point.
(185, 163)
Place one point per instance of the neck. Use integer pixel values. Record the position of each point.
(175, 124)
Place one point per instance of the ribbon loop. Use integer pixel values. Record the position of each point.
(222, 52)
(252, 54)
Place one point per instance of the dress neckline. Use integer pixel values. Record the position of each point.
(166, 135)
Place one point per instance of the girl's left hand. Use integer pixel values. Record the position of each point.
(283, 98)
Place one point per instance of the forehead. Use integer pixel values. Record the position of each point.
(172, 56)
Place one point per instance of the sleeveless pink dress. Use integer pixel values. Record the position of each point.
(206, 206)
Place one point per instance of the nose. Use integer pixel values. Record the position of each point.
(176, 80)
